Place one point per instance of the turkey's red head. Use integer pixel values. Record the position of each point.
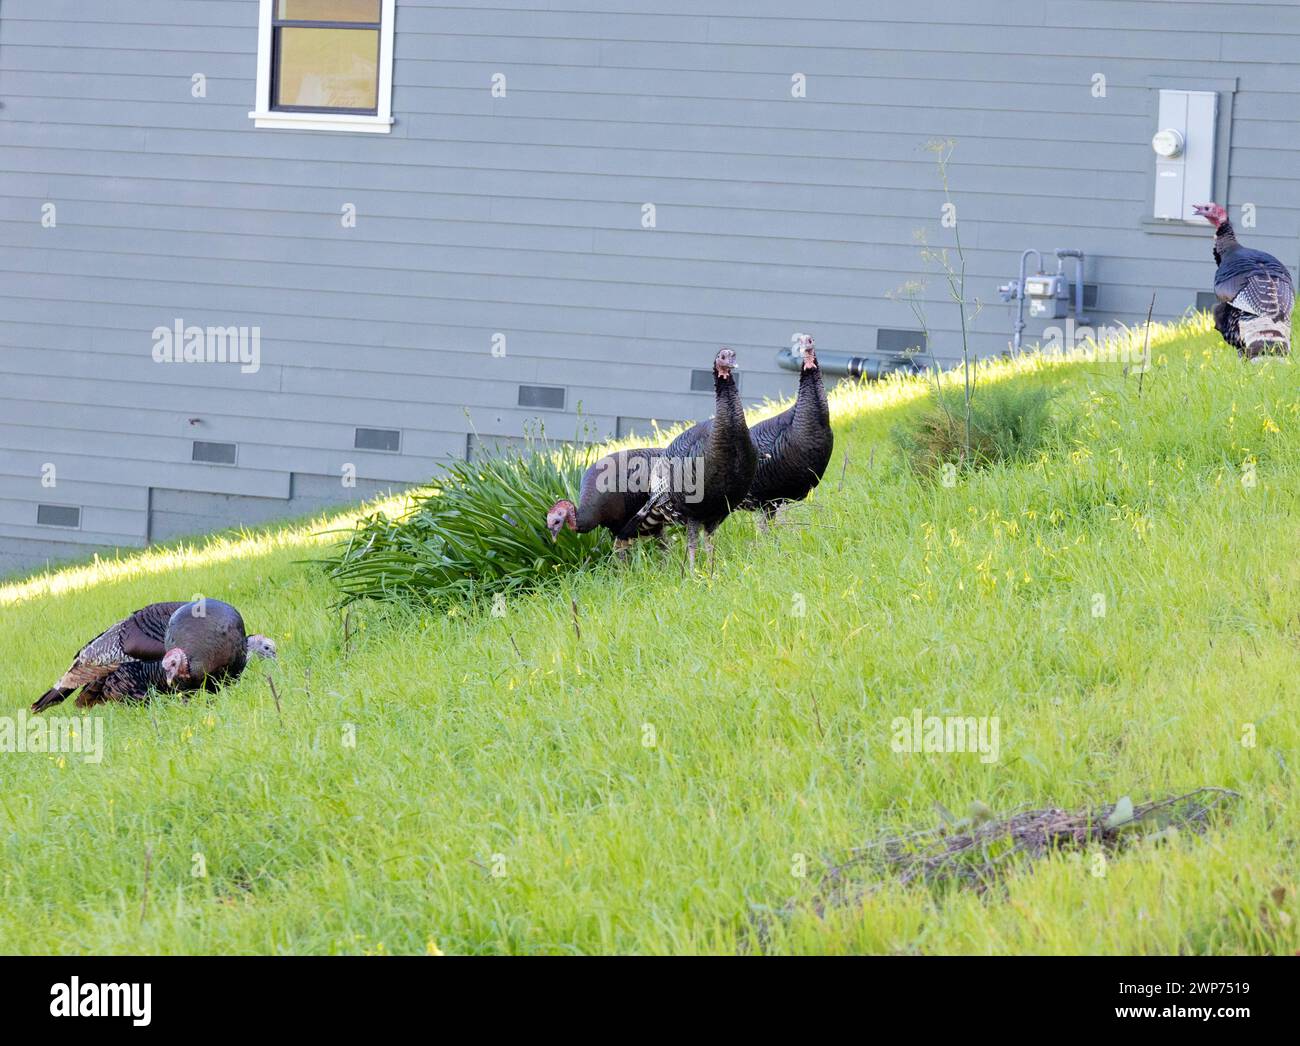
(176, 664)
(563, 514)
(806, 350)
(724, 363)
(1212, 213)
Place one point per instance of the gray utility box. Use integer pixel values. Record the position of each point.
(1048, 296)
(1184, 148)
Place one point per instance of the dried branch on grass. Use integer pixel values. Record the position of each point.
(977, 851)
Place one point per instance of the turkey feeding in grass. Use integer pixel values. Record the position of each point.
(794, 447)
(207, 645)
(705, 472)
(1255, 292)
(164, 646)
(613, 491)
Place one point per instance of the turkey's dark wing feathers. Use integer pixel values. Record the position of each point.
(794, 448)
(658, 508)
(140, 636)
(132, 681)
(614, 508)
(144, 631)
(1265, 295)
(1243, 266)
(658, 511)
(768, 436)
(689, 443)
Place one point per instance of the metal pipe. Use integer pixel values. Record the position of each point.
(1020, 298)
(1062, 252)
(846, 365)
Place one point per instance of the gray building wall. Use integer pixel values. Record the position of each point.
(522, 215)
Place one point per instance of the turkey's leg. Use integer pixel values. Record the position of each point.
(692, 540)
(621, 547)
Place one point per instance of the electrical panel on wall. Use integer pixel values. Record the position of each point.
(1184, 145)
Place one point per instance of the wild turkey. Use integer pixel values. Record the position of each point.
(1255, 292)
(794, 447)
(613, 490)
(125, 661)
(705, 472)
(207, 645)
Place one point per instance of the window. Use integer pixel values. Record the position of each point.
(325, 65)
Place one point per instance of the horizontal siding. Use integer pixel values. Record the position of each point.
(522, 215)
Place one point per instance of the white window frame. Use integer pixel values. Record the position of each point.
(380, 123)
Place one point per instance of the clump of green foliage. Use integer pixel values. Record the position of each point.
(1006, 422)
(479, 530)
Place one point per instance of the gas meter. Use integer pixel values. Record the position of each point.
(1048, 296)
(1048, 293)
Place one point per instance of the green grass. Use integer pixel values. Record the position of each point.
(772, 730)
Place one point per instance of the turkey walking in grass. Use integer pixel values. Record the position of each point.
(1255, 292)
(164, 646)
(613, 491)
(794, 447)
(705, 472)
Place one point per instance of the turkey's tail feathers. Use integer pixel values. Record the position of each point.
(51, 697)
(1264, 336)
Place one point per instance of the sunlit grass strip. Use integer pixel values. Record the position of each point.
(171, 557)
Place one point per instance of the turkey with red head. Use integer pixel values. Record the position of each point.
(127, 660)
(794, 447)
(1255, 292)
(705, 472)
(207, 645)
(613, 491)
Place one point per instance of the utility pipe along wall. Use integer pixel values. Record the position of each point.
(846, 365)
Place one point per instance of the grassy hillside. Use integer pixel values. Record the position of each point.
(649, 784)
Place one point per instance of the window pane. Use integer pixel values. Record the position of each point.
(328, 68)
(328, 10)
